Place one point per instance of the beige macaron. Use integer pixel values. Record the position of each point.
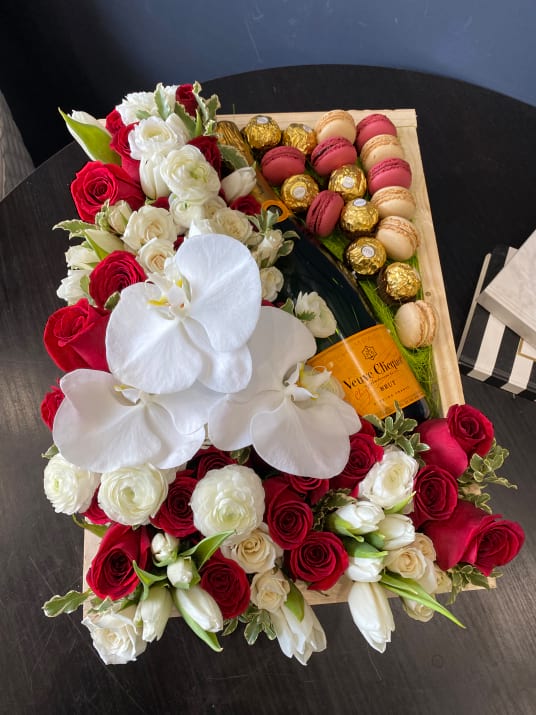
(379, 148)
(335, 123)
(394, 201)
(416, 324)
(398, 236)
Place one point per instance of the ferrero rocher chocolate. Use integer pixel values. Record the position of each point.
(299, 136)
(358, 218)
(365, 256)
(349, 181)
(398, 283)
(298, 192)
(262, 132)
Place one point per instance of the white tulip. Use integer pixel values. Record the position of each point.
(180, 572)
(363, 568)
(372, 614)
(239, 183)
(164, 546)
(398, 531)
(151, 180)
(360, 517)
(153, 613)
(116, 638)
(201, 607)
(298, 639)
(323, 323)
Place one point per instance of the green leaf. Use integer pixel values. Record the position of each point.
(362, 549)
(232, 156)
(160, 99)
(112, 301)
(65, 604)
(94, 140)
(306, 315)
(186, 118)
(84, 284)
(240, 455)
(202, 551)
(209, 638)
(147, 579)
(295, 601)
(97, 529)
(252, 631)
(288, 306)
(75, 227)
(52, 451)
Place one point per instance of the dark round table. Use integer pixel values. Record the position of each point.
(479, 155)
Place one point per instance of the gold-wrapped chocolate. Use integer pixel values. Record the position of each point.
(349, 181)
(300, 136)
(398, 283)
(262, 132)
(298, 192)
(365, 256)
(358, 218)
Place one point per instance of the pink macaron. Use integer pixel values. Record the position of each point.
(389, 172)
(371, 126)
(324, 213)
(331, 154)
(281, 162)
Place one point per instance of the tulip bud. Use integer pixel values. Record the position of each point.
(180, 572)
(153, 613)
(164, 548)
(239, 183)
(371, 613)
(360, 517)
(201, 607)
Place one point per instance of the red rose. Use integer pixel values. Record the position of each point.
(162, 202)
(175, 515)
(121, 145)
(436, 494)
(247, 204)
(94, 513)
(114, 122)
(227, 583)
(210, 458)
(74, 337)
(208, 146)
(185, 96)
(320, 560)
(445, 450)
(364, 453)
(288, 517)
(471, 429)
(49, 406)
(96, 183)
(111, 572)
(310, 487)
(471, 536)
(117, 271)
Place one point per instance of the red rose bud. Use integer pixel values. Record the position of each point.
(185, 96)
(227, 583)
(111, 572)
(94, 513)
(117, 271)
(74, 337)
(313, 489)
(471, 536)
(445, 450)
(121, 145)
(175, 515)
(208, 146)
(436, 495)
(320, 560)
(288, 517)
(96, 183)
(472, 430)
(364, 453)
(50, 404)
(247, 205)
(210, 458)
(114, 122)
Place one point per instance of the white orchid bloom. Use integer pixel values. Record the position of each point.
(103, 426)
(293, 420)
(191, 324)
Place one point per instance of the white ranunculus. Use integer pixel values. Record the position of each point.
(417, 610)
(266, 250)
(133, 494)
(228, 499)
(294, 429)
(397, 530)
(155, 135)
(390, 481)
(151, 180)
(371, 613)
(82, 257)
(153, 613)
(180, 572)
(323, 323)
(69, 488)
(256, 553)
(359, 517)
(70, 289)
(298, 639)
(200, 606)
(189, 176)
(116, 637)
(192, 324)
(164, 547)
(239, 183)
(406, 561)
(147, 223)
(153, 255)
(272, 281)
(137, 102)
(269, 590)
(364, 568)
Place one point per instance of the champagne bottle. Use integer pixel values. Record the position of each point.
(362, 355)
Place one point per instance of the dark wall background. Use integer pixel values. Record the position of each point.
(85, 54)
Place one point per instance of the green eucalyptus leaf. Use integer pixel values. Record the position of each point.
(65, 604)
(230, 626)
(94, 140)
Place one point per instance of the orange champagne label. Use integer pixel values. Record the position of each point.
(372, 372)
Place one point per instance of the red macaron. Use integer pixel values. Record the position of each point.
(389, 172)
(331, 154)
(324, 213)
(281, 162)
(371, 126)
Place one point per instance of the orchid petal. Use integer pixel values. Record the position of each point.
(229, 421)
